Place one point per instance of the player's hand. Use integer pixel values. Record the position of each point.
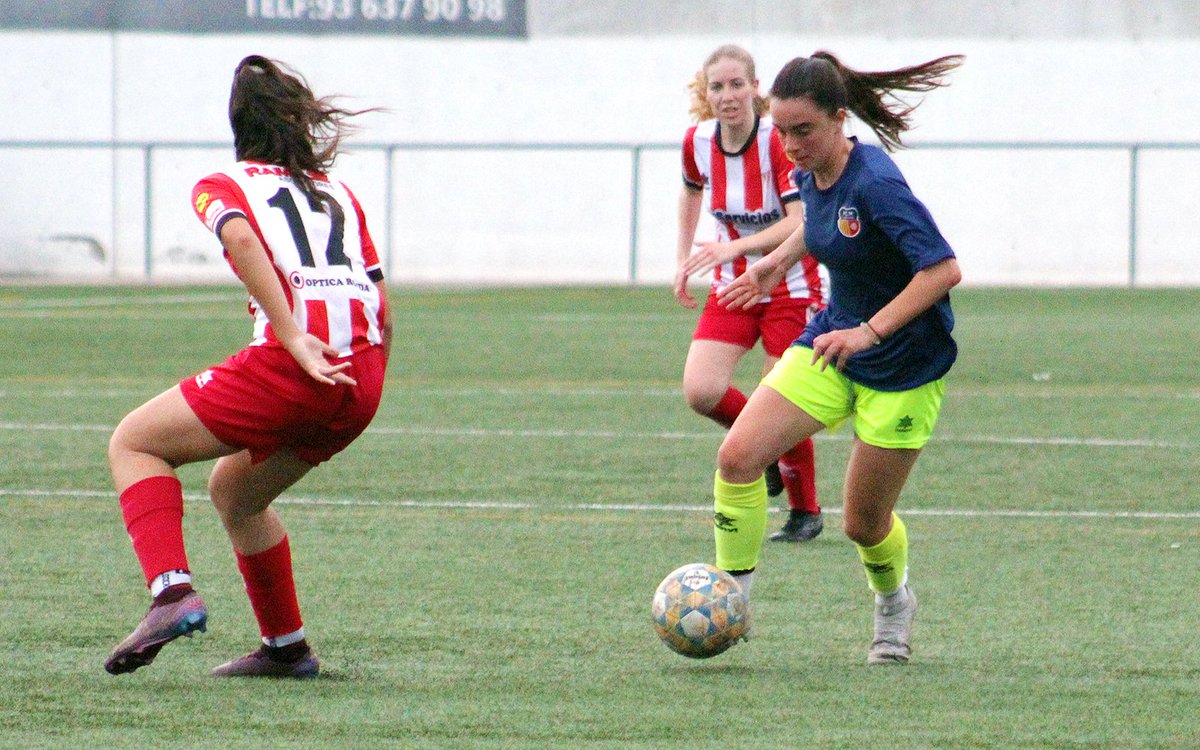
(709, 255)
(837, 347)
(311, 352)
(682, 295)
(747, 290)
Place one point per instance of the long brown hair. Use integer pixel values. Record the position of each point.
(276, 119)
(698, 86)
(832, 86)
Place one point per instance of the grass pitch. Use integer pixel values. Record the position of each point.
(476, 570)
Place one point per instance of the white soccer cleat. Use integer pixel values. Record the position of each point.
(893, 631)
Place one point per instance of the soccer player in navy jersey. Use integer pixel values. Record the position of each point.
(306, 386)
(876, 355)
(734, 167)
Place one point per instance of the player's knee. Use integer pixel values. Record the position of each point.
(224, 497)
(863, 531)
(738, 462)
(115, 449)
(853, 530)
(236, 501)
(121, 444)
(702, 398)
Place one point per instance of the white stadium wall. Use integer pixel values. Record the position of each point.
(1025, 215)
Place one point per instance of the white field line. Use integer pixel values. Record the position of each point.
(562, 391)
(466, 504)
(118, 299)
(480, 432)
(117, 305)
(112, 315)
(531, 391)
(608, 317)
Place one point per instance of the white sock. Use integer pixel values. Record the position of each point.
(746, 579)
(286, 639)
(894, 597)
(171, 578)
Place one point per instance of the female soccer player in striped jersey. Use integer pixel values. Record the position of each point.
(308, 384)
(886, 332)
(734, 165)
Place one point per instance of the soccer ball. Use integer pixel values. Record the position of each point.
(700, 611)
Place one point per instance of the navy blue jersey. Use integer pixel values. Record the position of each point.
(873, 235)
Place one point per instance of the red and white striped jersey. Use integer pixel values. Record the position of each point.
(746, 192)
(325, 260)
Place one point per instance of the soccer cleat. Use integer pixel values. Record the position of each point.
(260, 664)
(774, 479)
(893, 631)
(801, 526)
(160, 626)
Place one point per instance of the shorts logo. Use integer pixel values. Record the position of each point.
(905, 424)
(296, 280)
(848, 222)
(204, 378)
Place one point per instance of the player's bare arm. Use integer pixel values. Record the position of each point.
(764, 274)
(712, 253)
(258, 275)
(690, 200)
(927, 287)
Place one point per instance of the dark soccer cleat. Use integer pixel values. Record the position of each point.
(160, 626)
(800, 527)
(260, 664)
(774, 479)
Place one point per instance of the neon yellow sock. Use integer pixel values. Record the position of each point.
(887, 562)
(739, 520)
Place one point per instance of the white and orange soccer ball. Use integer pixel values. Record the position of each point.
(700, 611)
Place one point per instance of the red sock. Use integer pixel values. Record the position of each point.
(153, 512)
(799, 472)
(272, 590)
(728, 408)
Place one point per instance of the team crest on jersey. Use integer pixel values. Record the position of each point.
(848, 222)
(201, 202)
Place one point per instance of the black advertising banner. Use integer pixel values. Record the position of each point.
(485, 18)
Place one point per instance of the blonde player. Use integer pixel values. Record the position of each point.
(735, 168)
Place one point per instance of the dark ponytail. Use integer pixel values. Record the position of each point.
(276, 119)
(832, 86)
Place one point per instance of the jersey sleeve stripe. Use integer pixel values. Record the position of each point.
(691, 173)
(232, 213)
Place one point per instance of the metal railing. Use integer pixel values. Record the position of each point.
(635, 150)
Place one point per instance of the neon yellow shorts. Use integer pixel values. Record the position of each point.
(887, 419)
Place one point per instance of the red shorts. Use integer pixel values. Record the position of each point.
(779, 323)
(261, 400)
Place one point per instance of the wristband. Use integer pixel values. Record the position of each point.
(870, 330)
